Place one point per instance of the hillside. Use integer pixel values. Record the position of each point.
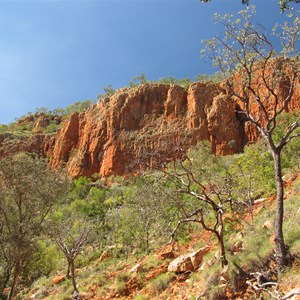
(111, 275)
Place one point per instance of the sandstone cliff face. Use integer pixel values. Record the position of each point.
(139, 128)
(145, 127)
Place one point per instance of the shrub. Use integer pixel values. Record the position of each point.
(160, 283)
(141, 297)
(121, 288)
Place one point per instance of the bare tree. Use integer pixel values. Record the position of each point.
(70, 232)
(211, 193)
(262, 83)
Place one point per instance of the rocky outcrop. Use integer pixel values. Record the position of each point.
(188, 262)
(139, 128)
(145, 127)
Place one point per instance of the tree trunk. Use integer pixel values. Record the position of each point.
(73, 275)
(224, 261)
(279, 240)
(220, 236)
(69, 269)
(15, 280)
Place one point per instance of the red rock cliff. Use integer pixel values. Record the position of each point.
(144, 127)
(140, 128)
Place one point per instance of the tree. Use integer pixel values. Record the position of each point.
(28, 191)
(137, 80)
(70, 231)
(79, 106)
(41, 110)
(204, 193)
(253, 173)
(284, 4)
(144, 216)
(108, 90)
(183, 82)
(262, 83)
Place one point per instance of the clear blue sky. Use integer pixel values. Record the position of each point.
(54, 53)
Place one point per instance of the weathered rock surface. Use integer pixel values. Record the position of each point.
(139, 128)
(145, 127)
(188, 262)
(58, 279)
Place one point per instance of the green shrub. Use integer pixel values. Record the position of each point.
(151, 262)
(216, 292)
(4, 128)
(52, 128)
(160, 283)
(141, 297)
(123, 277)
(121, 288)
(100, 279)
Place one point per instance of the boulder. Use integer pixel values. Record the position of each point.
(136, 269)
(181, 264)
(259, 201)
(188, 262)
(58, 279)
(268, 225)
(168, 251)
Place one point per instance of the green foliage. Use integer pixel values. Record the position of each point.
(161, 282)
(143, 216)
(215, 78)
(138, 80)
(257, 249)
(95, 203)
(42, 110)
(52, 128)
(42, 261)
(184, 82)
(79, 106)
(59, 112)
(121, 288)
(108, 91)
(252, 171)
(4, 128)
(28, 191)
(138, 216)
(291, 225)
(284, 121)
(169, 80)
(141, 297)
(80, 188)
(121, 281)
(123, 277)
(291, 152)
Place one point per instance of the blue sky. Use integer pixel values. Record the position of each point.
(54, 53)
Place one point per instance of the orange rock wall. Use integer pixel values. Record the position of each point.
(143, 127)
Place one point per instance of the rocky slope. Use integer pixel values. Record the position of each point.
(138, 128)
